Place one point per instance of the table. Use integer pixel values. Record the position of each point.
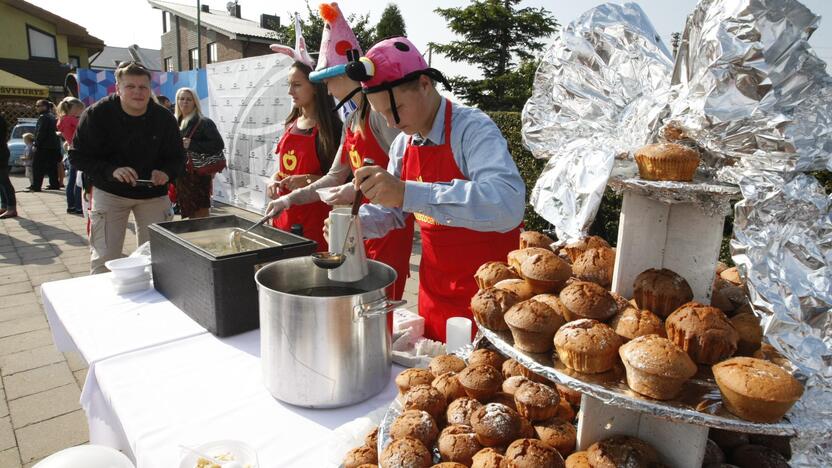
(188, 389)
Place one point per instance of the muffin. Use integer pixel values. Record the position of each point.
(518, 287)
(756, 390)
(545, 272)
(512, 368)
(532, 453)
(782, 444)
(458, 443)
(417, 424)
(704, 332)
(461, 409)
(517, 257)
(480, 381)
(487, 458)
(533, 324)
(558, 434)
(587, 346)
(491, 273)
(504, 399)
(569, 395)
(750, 333)
(565, 410)
(618, 451)
(535, 239)
(577, 460)
(727, 440)
(513, 383)
(666, 161)
(656, 367)
(449, 465)
(425, 398)
(407, 452)
(757, 456)
(449, 385)
(770, 353)
(732, 275)
(360, 456)
(585, 300)
(445, 363)
(495, 424)
(536, 402)
(412, 377)
(553, 302)
(621, 301)
(632, 323)
(486, 356)
(661, 291)
(726, 296)
(489, 306)
(595, 265)
(573, 250)
(371, 439)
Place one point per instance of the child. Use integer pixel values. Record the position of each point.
(29, 140)
(69, 111)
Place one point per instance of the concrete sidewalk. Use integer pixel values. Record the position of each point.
(40, 387)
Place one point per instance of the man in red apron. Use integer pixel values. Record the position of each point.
(451, 168)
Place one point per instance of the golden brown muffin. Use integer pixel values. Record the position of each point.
(461, 409)
(503, 398)
(487, 458)
(511, 368)
(587, 346)
(732, 275)
(458, 443)
(704, 332)
(486, 356)
(536, 402)
(666, 161)
(371, 439)
(517, 257)
(533, 325)
(532, 453)
(495, 424)
(360, 456)
(526, 429)
(755, 389)
(661, 291)
(557, 433)
(367, 465)
(757, 456)
(573, 250)
(425, 398)
(513, 383)
(656, 366)
(417, 424)
(618, 451)
(672, 133)
(449, 385)
(596, 266)
(726, 296)
(535, 239)
(770, 353)
(565, 411)
(481, 381)
(545, 273)
(750, 333)
(408, 452)
(633, 323)
(490, 305)
(566, 393)
(445, 363)
(491, 273)
(449, 465)
(620, 301)
(412, 377)
(578, 460)
(583, 299)
(518, 287)
(553, 302)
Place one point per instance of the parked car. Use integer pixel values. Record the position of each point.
(16, 145)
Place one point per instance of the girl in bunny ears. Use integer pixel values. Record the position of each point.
(308, 146)
(365, 135)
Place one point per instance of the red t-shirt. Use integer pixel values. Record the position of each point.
(67, 125)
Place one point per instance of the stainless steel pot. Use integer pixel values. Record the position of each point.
(324, 352)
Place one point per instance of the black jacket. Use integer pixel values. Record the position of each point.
(108, 138)
(4, 148)
(46, 137)
(206, 139)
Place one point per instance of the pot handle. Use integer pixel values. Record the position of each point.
(375, 308)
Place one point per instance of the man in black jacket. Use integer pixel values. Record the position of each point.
(8, 203)
(130, 147)
(46, 152)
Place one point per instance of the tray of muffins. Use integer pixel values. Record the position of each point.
(659, 352)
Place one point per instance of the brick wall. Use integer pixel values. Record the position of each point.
(227, 48)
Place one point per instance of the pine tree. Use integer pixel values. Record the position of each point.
(391, 23)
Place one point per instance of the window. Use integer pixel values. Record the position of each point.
(75, 61)
(167, 21)
(41, 44)
(193, 59)
(168, 64)
(212, 52)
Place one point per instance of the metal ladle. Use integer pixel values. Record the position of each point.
(236, 235)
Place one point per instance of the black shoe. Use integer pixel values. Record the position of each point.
(78, 212)
(52, 187)
(31, 189)
(70, 211)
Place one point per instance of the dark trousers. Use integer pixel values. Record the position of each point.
(7, 199)
(45, 163)
(73, 193)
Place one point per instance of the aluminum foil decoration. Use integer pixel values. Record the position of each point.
(747, 88)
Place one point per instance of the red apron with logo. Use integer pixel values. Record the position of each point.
(450, 255)
(394, 248)
(297, 155)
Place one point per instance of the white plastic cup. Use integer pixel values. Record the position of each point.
(457, 333)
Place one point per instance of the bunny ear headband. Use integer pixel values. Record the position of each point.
(299, 52)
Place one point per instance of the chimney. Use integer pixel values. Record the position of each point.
(237, 11)
(271, 22)
(205, 8)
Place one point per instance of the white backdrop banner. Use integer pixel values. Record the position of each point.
(248, 101)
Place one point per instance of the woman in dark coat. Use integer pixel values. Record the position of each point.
(199, 135)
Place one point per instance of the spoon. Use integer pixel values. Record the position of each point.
(235, 235)
(224, 464)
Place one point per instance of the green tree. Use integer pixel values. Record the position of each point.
(501, 40)
(390, 24)
(313, 28)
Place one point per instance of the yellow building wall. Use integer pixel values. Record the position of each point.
(15, 44)
(80, 52)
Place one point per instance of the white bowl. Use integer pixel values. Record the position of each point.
(242, 453)
(128, 267)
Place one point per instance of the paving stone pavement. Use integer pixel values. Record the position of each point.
(40, 386)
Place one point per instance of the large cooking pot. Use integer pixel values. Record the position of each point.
(324, 344)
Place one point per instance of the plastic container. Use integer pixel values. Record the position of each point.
(128, 267)
(240, 452)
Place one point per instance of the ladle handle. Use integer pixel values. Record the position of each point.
(356, 204)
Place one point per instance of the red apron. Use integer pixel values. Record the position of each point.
(297, 155)
(450, 255)
(394, 248)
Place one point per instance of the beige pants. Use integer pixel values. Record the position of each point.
(108, 224)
